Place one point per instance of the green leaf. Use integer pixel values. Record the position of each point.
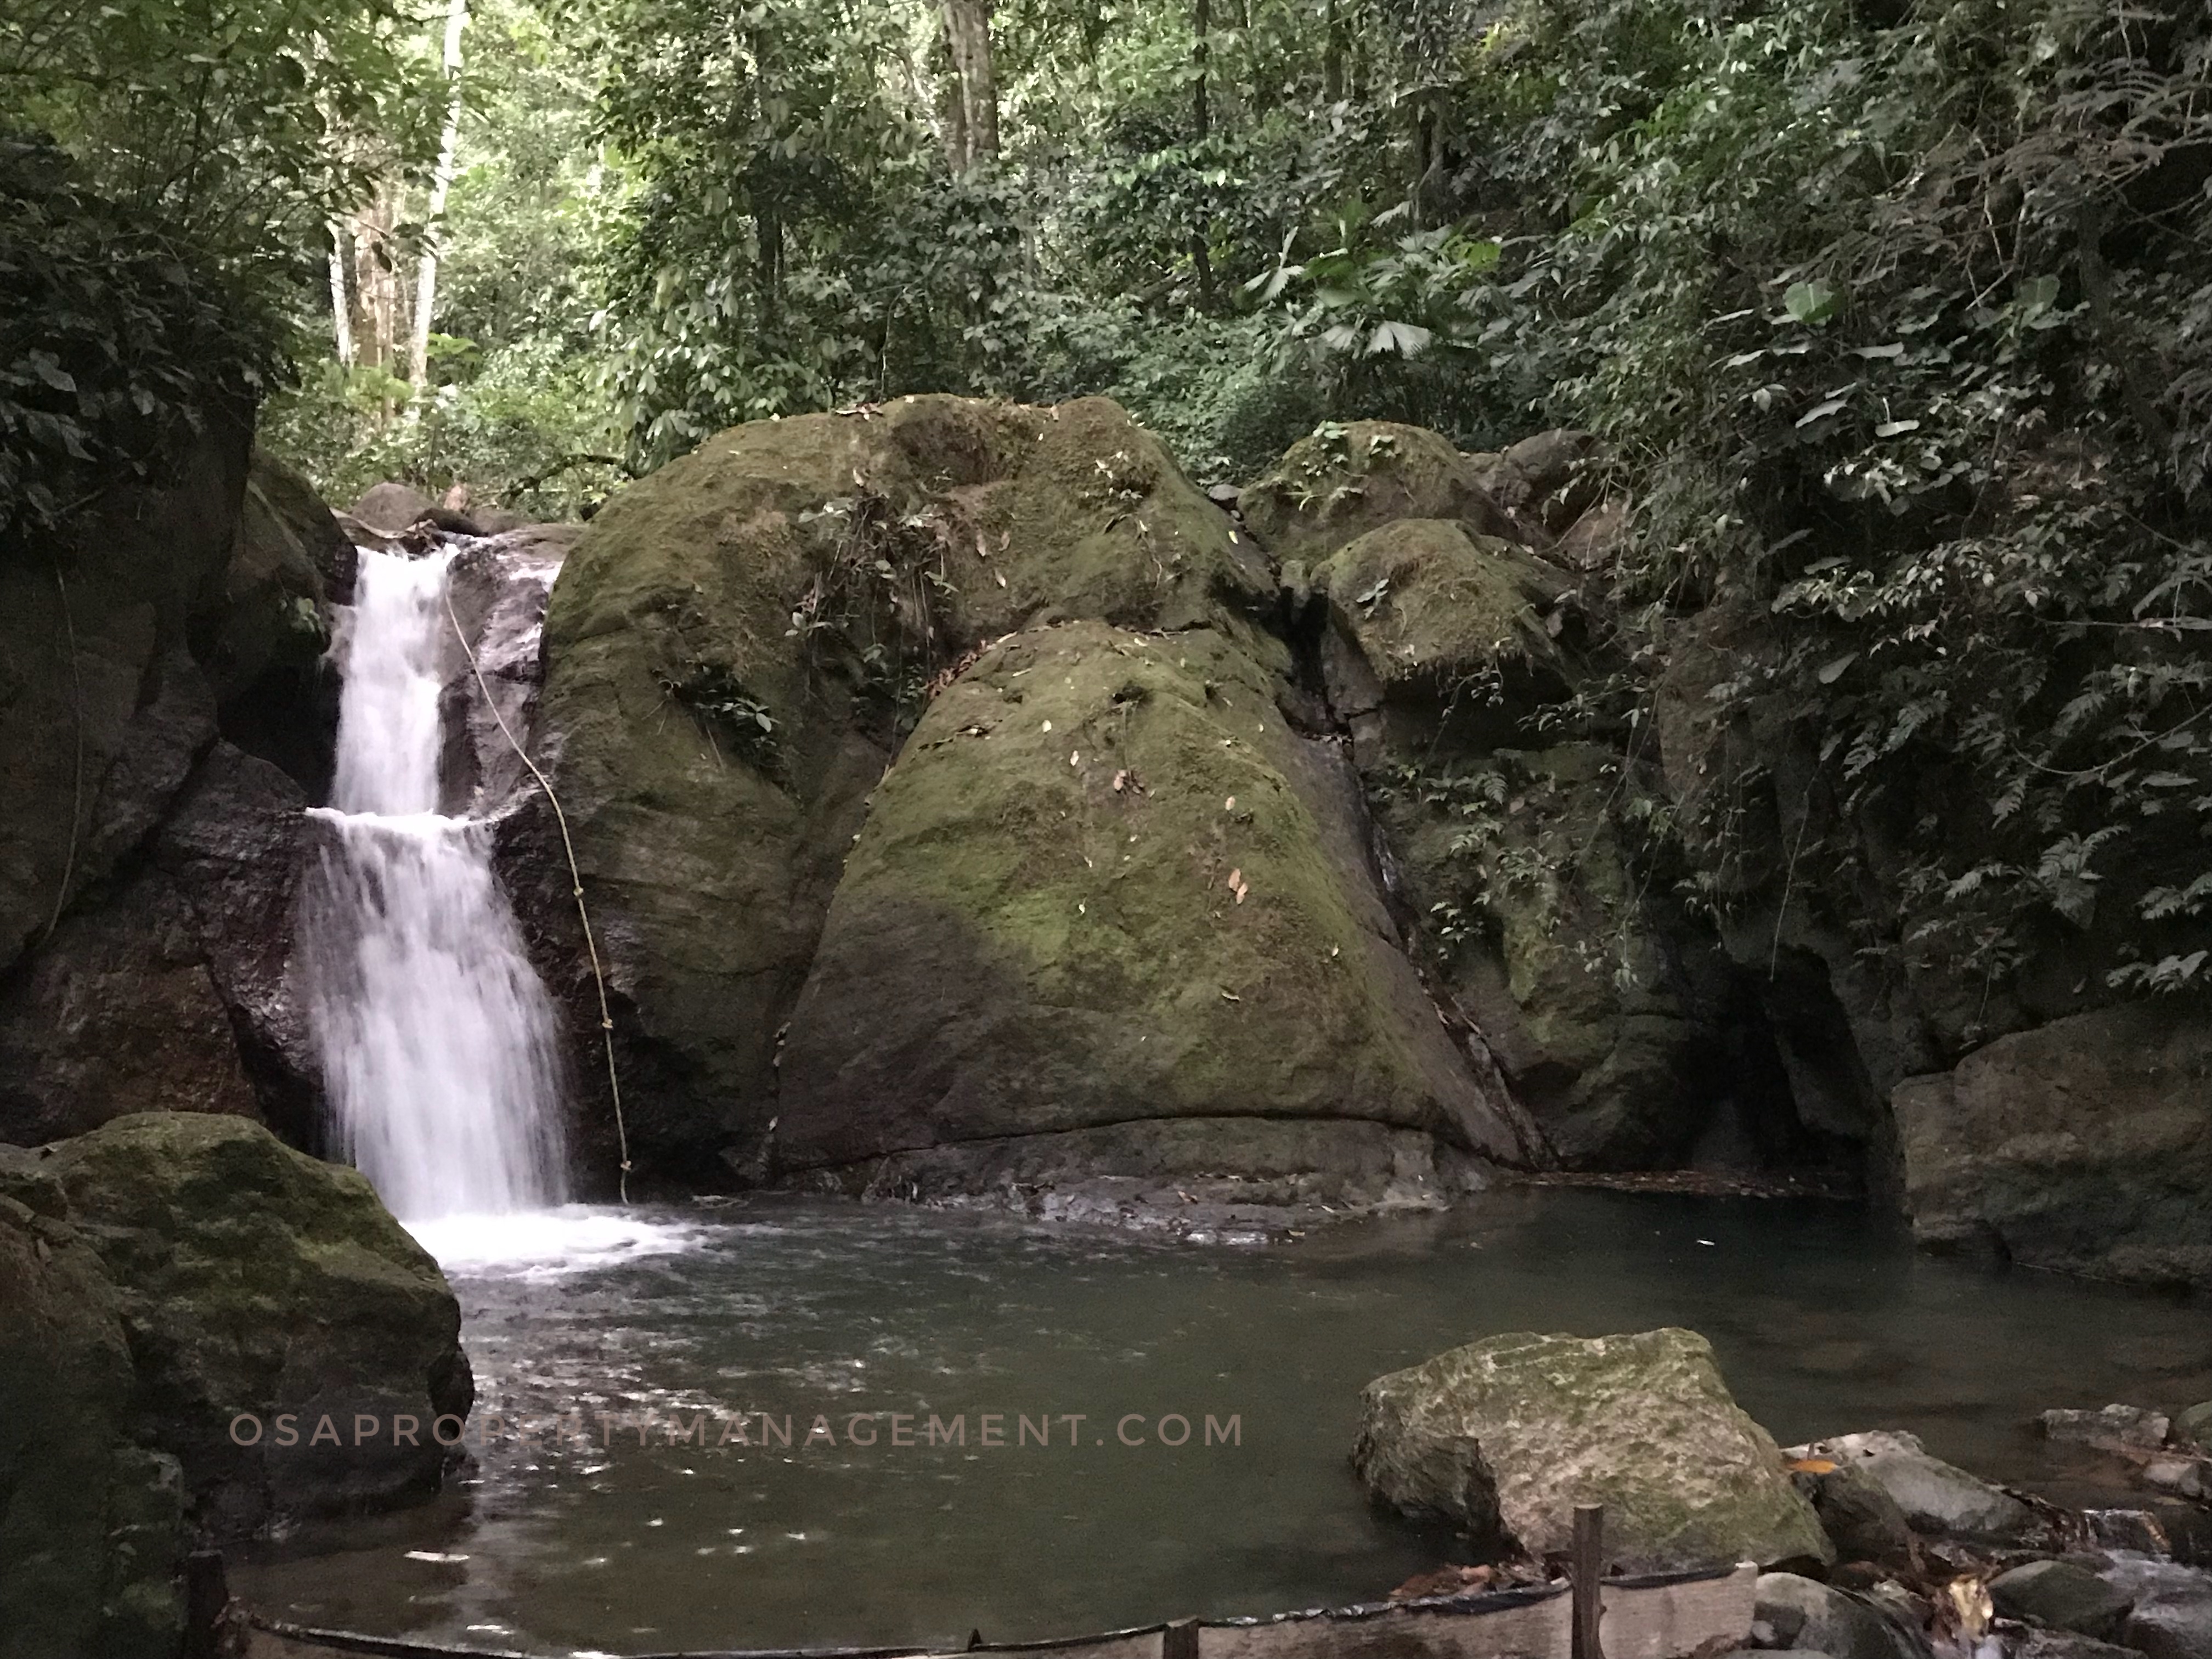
(1813, 303)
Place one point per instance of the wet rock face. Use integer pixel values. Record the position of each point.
(247, 1277)
(2085, 1145)
(1800, 1613)
(1505, 1437)
(152, 977)
(1099, 889)
(91, 1524)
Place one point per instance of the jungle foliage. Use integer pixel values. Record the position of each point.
(1892, 315)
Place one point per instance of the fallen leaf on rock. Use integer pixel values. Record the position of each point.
(1238, 885)
(1810, 1466)
(1230, 996)
(1121, 781)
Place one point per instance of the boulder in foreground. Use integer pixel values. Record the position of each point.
(1505, 1436)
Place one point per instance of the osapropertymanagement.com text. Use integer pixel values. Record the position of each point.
(711, 1426)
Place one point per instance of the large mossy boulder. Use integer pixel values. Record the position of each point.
(1106, 887)
(1347, 478)
(735, 645)
(251, 1278)
(2085, 1145)
(92, 1523)
(1504, 1437)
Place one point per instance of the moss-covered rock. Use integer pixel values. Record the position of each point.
(1505, 1436)
(91, 1524)
(1345, 479)
(1107, 884)
(249, 1278)
(738, 642)
(1546, 938)
(1436, 640)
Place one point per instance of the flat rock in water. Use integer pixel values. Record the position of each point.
(2060, 1594)
(1505, 1436)
(2115, 1428)
(1937, 1497)
(1799, 1614)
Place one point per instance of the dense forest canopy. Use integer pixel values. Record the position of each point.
(1892, 319)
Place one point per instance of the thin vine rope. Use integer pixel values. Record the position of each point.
(575, 886)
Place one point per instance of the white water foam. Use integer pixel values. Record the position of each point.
(550, 1243)
(436, 1036)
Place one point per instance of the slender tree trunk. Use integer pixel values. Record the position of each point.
(1201, 122)
(376, 280)
(341, 303)
(967, 34)
(442, 184)
(1332, 56)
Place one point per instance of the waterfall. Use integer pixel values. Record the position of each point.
(437, 1038)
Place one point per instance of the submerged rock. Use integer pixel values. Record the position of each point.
(1504, 1437)
(2115, 1428)
(249, 1278)
(1103, 894)
(2084, 1144)
(1938, 1499)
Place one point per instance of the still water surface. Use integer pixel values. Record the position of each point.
(1823, 1320)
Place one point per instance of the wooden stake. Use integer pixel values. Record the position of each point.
(1588, 1585)
(1180, 1640)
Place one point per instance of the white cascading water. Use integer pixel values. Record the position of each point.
(436, 1036)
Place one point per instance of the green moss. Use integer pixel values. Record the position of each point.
(1429, 603)
(1344, 480)
(1064, 842)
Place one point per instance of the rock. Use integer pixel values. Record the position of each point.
(2195, 1425)
(709, 847)
(92, 1526)
(251, 1277)
(118, 1014)
(1506, 1436)
(2171, 1625)
(2059, 1594)
(391, 508)
(2065, 1644)
(1800, 1613)
(102, 708)
(288, 553)
(2115, 1428)
(1544, 938)
(1937, 1497)
(1346, 479)
(2183, 1477)
(1860, 1516)
(233, 847)
(1420, 613)
(1106, 889)
(2085, 1145)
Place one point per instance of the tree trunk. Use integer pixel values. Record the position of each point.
(968, 35)
(1200, 125)
(442, 184)
(1332, 57)
(341, 304)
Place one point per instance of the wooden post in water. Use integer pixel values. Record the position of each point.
(1588, 1582)
(207, 1593)
(1180, 1640)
